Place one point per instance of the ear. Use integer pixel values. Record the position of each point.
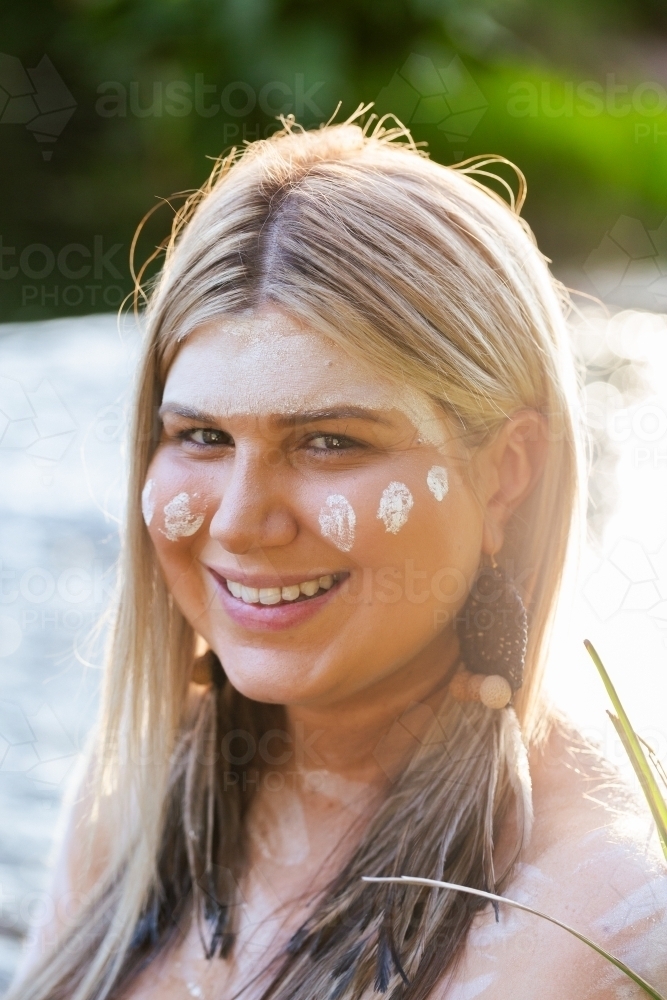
(514, 463)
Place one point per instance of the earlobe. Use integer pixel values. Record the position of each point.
(517, 457)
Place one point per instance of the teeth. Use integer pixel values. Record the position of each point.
(274, 595)
(270, 595)
(291, 593)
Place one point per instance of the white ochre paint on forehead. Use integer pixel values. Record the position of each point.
(179, 521)
(265, 364)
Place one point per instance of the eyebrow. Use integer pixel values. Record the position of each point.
(331, 413)
(285, 420)
(186, 411)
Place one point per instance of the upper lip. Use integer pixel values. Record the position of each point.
(262, 580)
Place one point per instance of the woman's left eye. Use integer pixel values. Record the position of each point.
(331, 442)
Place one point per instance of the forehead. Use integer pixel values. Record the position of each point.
(267, 363)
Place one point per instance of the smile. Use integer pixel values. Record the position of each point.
(261, 609)
(282, 595)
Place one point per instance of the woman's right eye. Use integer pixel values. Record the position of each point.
(207, 437)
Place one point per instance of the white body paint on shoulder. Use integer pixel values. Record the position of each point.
(337, 521)
(395, 505)
(643, 905)
(280, 830)
(179, 521)
(486, 935)
(148, 501)
(473, 988)
(352, 795)
(437, 481)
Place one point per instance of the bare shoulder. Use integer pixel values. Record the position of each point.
(70, 874)
(80, 859)
(593, 863)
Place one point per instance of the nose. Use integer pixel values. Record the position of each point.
(253, 512)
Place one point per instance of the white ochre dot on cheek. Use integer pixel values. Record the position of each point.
(148, 501)
(337, 521)
(437, 481)
(395, 505)
(179, 521)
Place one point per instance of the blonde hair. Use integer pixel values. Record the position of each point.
(425, 272)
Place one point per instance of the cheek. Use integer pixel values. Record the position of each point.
(395, 505)
(337, 521)
(422, 512)
(361, 514)
(176, 502)
(437, 480)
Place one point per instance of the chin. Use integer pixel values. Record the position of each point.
(278, 679)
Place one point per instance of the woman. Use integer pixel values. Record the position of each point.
(354, 466)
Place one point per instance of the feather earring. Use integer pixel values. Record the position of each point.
(519, 772)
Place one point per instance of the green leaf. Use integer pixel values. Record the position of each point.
(654, 760)
(633, 748)
(634, 976)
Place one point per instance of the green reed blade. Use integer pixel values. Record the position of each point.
(646, 788)
(633, 748)
(634, 976)
(654, 760)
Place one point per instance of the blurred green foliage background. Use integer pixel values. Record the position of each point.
(575, 93)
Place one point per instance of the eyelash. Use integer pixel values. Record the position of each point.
(187, 435)
(225, 440)
(348, 445)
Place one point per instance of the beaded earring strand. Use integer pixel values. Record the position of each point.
(492, 628)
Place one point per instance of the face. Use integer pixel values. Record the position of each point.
(313, 521)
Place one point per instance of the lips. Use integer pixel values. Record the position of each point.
(275, 607)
